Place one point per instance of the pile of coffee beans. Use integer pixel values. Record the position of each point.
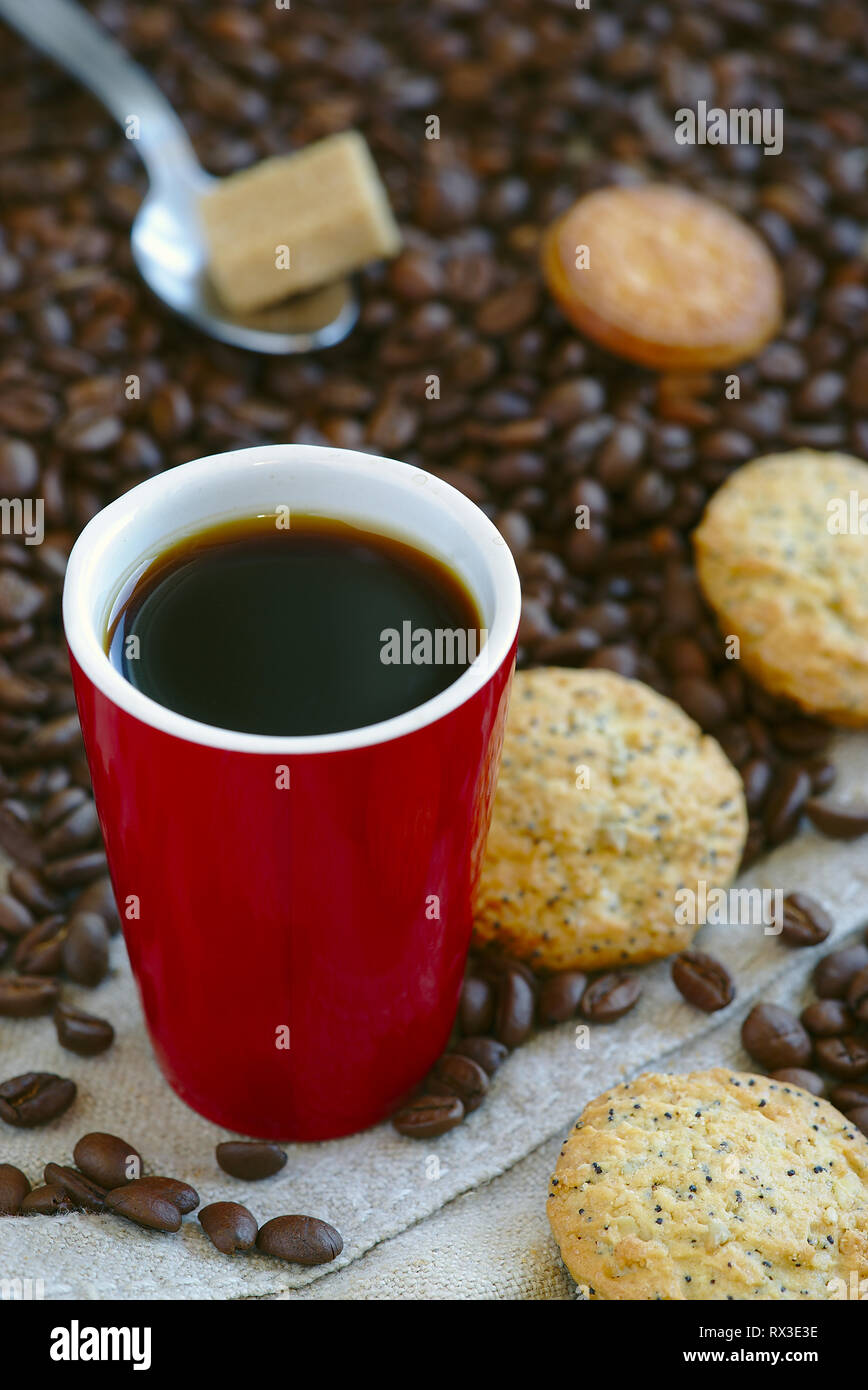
(46, 938)
(534, 105)
(826, 1046)
(502, 1001)
(108, 1178)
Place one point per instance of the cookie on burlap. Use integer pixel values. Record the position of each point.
(714, 1185)
(585, 876)
(783, 579)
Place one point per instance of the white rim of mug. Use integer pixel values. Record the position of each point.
(83, 573)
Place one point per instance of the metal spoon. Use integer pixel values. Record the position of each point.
(167, 240)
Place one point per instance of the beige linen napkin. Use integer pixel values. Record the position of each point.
(376, 1185)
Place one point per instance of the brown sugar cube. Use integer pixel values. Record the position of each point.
(664, 277)
(297, 221)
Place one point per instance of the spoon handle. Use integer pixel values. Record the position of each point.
(66, 32)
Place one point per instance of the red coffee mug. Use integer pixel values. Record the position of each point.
(297, 910)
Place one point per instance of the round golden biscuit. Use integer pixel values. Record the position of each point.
(610, 799)
(783, 562)
(713, 1185)
(674, 280)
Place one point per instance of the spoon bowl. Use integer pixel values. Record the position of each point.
(168, 241)
(169, 251)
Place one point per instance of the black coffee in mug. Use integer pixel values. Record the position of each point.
(293, 625)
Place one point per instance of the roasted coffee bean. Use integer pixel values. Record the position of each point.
(30, 890)
(853, 1095)
(515, 1009)
(427, 1116)
(416, 276)
(251, 1159)
(567, 648)
(839, 820)
(180, 1194)
(74, 870)
(774, 1037)
(756, 776)
(85, 952)
(476, 1006)
(457, 1075)
(804, 921)
(607, 618)
(17, 837)
(27, 996)
(857, 995)
(147, 1206)
(702, 701)
(89, 431)
(37, 783)
(20, 599)
(535, 623)
(40, 951)
(229, 1226)
(489, 1053)
(845, 1057)
(447, 198)
(60, 804)
(584, 549)
(302, 1240)
(802, 736)
(15, 918)
(560, 997)
(14, 1187)
(19, 468)
(22, 694)
(82, 1033)
(832, 975)
(107, 1160)
(790, 789)
(171, 412)
(508, 310)
(75, 831)
(35, 1098)
(703, 981)
(573, 399)
(617, 657)
(611, 996)
(492, 964)
(827, 1018)
(58, 738)
(98, 897)
(81, 1191)
(47, 1201)
(799, 1076)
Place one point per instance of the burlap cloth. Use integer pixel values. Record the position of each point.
(462, 1216)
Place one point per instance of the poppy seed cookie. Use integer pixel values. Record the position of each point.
(714, 1185)
(610, 800)
(786, 571)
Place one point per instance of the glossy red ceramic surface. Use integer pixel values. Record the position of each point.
(334, 913)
